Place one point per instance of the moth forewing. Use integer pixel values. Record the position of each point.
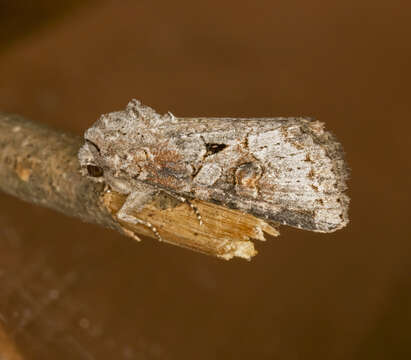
(287, 170)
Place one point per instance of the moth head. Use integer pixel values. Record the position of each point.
(91, 161)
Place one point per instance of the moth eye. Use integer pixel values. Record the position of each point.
(95, 171)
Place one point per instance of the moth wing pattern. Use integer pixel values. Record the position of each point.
(286, 170)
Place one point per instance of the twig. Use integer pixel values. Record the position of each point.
(40, 165)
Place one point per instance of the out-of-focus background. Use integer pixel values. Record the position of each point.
(70, 290)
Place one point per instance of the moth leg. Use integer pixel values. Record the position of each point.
(188, 202)
(134, 203)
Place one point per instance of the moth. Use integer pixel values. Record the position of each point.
(284, 170)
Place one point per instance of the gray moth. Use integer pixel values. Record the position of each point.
(286, 170)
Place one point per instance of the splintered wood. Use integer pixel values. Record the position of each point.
(225, 233)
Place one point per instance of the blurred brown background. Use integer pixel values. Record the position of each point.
(70, 290)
